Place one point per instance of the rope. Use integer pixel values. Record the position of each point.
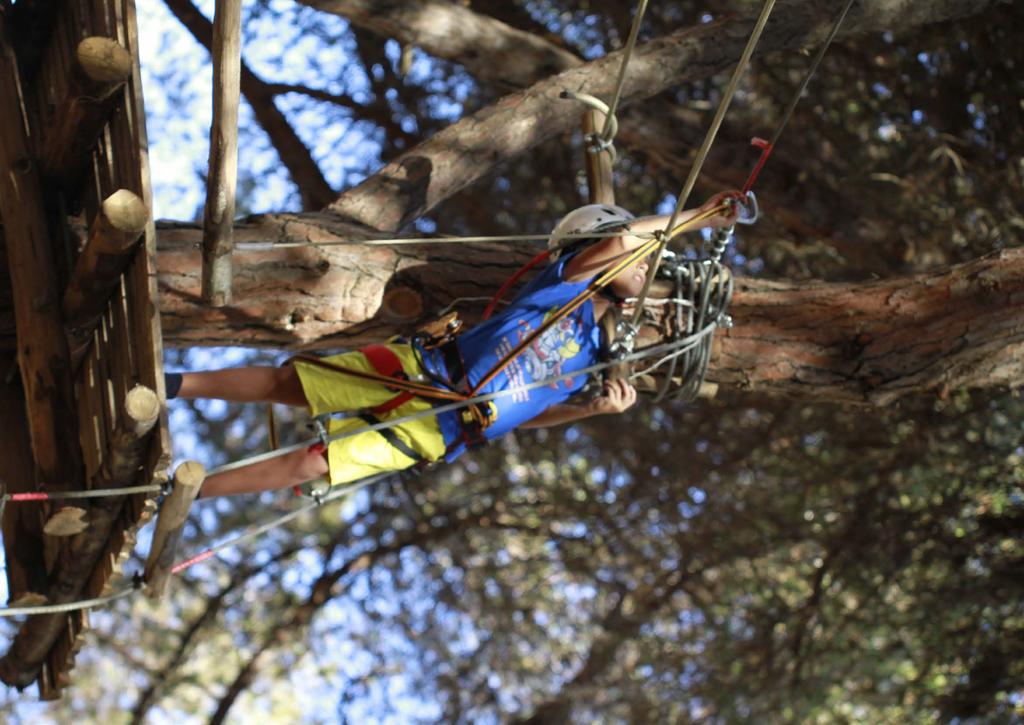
(397, 241)
(606, 132)
(770, 146)
(69, 607)
(702, 153)
(93, 493)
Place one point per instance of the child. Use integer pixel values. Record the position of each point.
(571, 344)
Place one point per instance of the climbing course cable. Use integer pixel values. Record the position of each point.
(138, 584)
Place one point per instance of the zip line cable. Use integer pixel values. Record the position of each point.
(249, 533)
(398, 241)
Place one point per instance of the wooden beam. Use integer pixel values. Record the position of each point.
(100, 68)
(188, 479)
(42, 348)
(108, 251)
(23, 545)
(600, 183)
(125, 457)
(219, 217)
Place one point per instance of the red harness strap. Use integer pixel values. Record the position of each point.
(386, 363)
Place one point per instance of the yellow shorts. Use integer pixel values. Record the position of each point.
(368, 453)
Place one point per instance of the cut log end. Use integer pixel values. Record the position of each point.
(142, 407)
(104, 60)
(403, 303)
(190, 474)
(67, 521)
(125, 211)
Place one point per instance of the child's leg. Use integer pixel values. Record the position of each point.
(291, 469)
(246, 385)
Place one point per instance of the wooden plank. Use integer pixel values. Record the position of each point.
(219, 216)
(42, 350)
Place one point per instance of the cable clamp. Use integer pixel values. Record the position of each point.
(625, 339)
(317, 425)
(725, 321)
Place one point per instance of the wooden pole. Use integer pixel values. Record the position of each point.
(600, 184)
(601, 190)
(101, 68)
(42, 348)
(219, 217)
(108, 251)
(75, 565)
(187, 481)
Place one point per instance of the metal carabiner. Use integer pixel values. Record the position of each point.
(749, 210)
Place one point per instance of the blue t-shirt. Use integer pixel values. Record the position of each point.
(571, 344)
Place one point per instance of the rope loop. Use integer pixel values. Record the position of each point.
(597, 142)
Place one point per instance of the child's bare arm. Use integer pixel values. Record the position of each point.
(618, 396)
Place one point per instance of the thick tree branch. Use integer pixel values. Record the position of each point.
(488, 48)
(305, 172)
(870, 342)
(470, 149)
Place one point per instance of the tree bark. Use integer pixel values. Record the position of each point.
(488, 48)
(870, 342)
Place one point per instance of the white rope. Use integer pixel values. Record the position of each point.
(398, 241)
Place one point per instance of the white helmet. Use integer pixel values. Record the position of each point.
(589, 218)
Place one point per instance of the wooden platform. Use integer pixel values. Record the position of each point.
(80, 146)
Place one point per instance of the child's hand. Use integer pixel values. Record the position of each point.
(723, 219)
(618, 396)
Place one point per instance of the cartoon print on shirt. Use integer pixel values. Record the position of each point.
(544, 358)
